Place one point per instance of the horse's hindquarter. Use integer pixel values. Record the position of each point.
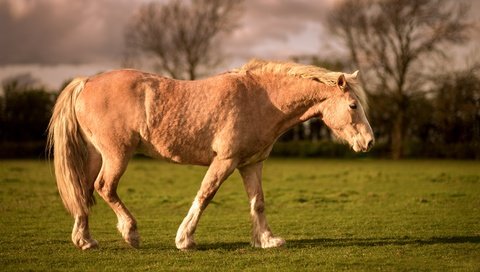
(110, 110)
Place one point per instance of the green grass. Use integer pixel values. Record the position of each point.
(335, 215)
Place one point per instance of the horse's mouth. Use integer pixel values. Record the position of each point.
(364, 147)
(356, 148)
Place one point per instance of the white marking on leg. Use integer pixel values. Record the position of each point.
(184, 238)
(258, 228)
(262, 235)
(81, 234)
(129, 232)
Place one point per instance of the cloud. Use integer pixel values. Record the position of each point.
(62, 31)
(268, 24)
(52, 32)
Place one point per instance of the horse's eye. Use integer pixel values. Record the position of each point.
(353, 106)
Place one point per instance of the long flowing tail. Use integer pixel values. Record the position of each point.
(69, 151)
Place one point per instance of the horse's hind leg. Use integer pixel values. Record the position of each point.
(106, 185)
(81, 232)
(262, 235)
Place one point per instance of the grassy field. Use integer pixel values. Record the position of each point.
(335, 215)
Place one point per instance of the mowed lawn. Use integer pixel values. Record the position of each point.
(335, 215)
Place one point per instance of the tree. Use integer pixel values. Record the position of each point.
(184, 36)
(25, 113)
(391, 40)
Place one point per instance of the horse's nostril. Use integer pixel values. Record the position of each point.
(370, 144)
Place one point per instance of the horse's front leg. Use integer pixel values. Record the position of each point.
(262, 235)
(218, 171)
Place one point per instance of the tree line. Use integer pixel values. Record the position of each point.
(415, 109)
(25, 110)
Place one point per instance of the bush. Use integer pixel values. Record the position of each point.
(30, 149)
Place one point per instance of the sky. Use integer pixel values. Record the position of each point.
(55, 40)
(59, 39)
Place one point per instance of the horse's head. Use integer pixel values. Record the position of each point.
(344, 113)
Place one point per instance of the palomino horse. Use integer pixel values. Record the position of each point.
(226, 122)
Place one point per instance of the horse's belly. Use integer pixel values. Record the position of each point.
(185, 152)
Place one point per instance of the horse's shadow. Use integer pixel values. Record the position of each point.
(348, 242)
(227, 246)
(382, 241)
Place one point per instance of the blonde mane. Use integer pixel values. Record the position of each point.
(323, 75)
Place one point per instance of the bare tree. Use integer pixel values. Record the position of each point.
(390, 40)
(182, 35)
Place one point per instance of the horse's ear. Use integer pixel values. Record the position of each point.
(355, 74)
(341, 82)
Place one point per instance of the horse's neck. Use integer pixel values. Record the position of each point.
(297, 99)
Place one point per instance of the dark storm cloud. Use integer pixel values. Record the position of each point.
(54, 32)
(62, 31)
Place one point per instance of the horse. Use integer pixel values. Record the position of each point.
(226, 122)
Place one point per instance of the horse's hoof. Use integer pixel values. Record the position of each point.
(129, 233)
(275, 242)
(270, 242)
(186, 244)
(133, 240)
(90, 244)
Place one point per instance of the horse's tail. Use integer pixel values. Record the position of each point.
(70, 151)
